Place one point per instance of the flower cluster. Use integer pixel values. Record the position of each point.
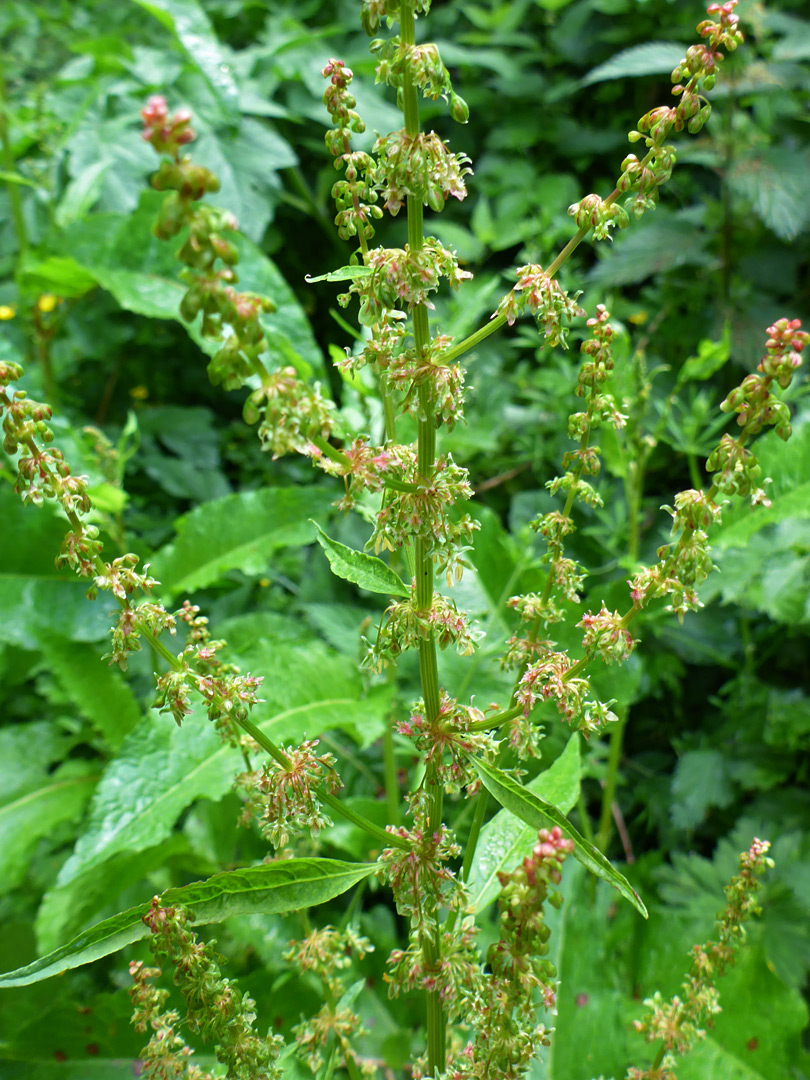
(418, 875)
(446, 741)
(426, 69)
(545, 299)
(227, 315)
(504, 1012)
(606, 635)
(292, 413)
(404, 626)
(424, 512)
(408, 372)
(686, 562)
(327, 954)
(551, 679)
(420, 166)
(283, 794)
(355, 196)
(679, 1023)
(641, 179)
(457, 977)
(400, 276)
(166, 1054)
(215, 1007)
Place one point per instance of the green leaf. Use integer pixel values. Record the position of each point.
(34, 596)
(193, 30)
(505, 839)
(80, 194)
(539, 814)
(659, 244)
(701, 781)
(364, 570)
(712, 355)
(35, 813)
(345, 273)
(774, 182)
(99, 691)
(285, 885)
(57, 274)
(651, 58)
(238, 532)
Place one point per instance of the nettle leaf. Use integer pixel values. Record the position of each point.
(193, 30)
(285, 885)
(239, 532)
(368, 572)
(774, 182)
(651, 58)
(505, 839)
(345, 273)
(540, 814)
(664, 242)
(701, 781)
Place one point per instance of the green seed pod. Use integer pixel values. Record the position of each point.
(459, 109)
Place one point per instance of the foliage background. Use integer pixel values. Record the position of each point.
(103, 803)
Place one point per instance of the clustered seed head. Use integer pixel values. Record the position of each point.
(681, 1022)
(284, 797)
(216, 1008)
(545, 299)
(641, 179)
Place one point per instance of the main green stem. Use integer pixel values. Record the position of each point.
(426, 459)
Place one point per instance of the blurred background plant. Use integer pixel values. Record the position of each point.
(715, 713)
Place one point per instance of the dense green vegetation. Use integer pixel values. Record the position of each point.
(104, 802)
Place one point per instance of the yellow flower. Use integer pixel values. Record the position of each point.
(140, 393)
(7, 311)
(638, 318)
(47, 302)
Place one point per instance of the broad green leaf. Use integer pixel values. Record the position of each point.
(712, 355)
(539, 814)
(505, 839)
(65, 911)
(701, 781)
(35, 813)
(80, 194)
(345, 273)
(651, 58)
(58, 274)
(239, 532)
(665, 242)
(192, 28)
(364, 570)
(284, 885)
(774, 182)
(98, 690)
(35, 596)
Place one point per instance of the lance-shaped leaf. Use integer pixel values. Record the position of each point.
(505, 840)
(540, 814)
(285, 885)
(364, 570)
